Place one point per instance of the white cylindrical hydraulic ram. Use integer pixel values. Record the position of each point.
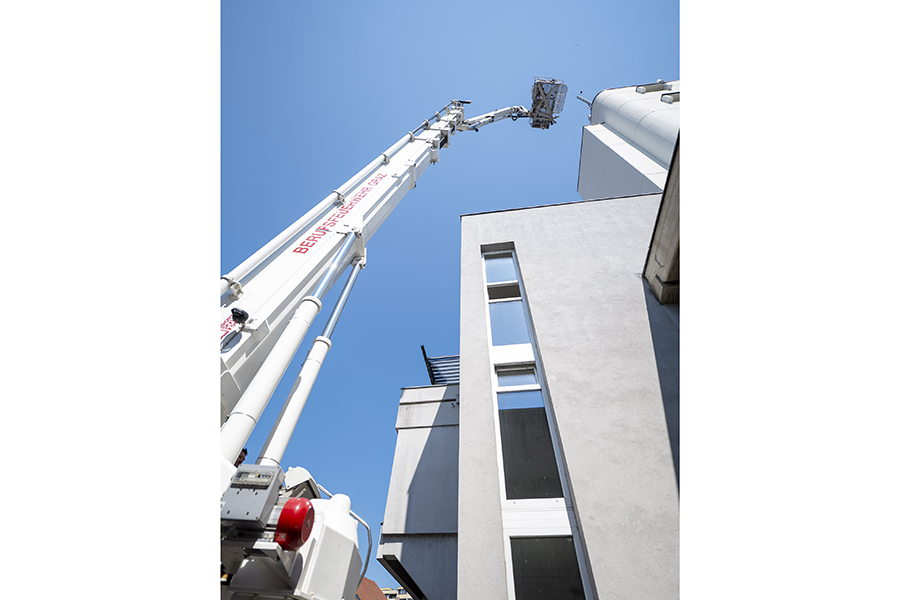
(284, 427)
(240, 423)
(278, 440)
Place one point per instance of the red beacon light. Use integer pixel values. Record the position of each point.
(295, 523)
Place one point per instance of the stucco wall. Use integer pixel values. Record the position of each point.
(611, 167)
(598, 333)
(482, 565)
(628, 145)
(419, 528)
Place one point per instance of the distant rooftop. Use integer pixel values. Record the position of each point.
(369, 590)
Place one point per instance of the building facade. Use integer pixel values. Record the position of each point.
(627, 147)
(550, 468)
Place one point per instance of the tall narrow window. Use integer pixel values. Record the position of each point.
(508, 323)
(499, 268)
(510, 376)
(529, 462)
(546, 568)
(545, 554)
(507, 313)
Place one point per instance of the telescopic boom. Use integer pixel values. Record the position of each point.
(268, 304)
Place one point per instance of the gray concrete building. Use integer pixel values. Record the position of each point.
(548, 467)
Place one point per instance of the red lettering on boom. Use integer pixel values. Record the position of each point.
(227, 325)
(339, 213)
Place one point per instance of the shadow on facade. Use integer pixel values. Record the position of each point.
(666, 335)
(423, 555)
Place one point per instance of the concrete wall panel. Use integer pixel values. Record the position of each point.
(418, 535)
(581, 268)
(482, 565)
(430, 561)
(424, 477)
(611, 167)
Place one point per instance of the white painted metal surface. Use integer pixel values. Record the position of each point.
(273, 286)
(331, 562)
(271, 294)
(299, 394)
(268, 305)
(326, 567)
(641, 119)
(626, 149)
(237, 429)
(284, 427)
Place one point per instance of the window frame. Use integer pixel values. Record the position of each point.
(527, 503)
(525, 322)
(579, 558)
(510, 353)
(525, 387)
(531, 517)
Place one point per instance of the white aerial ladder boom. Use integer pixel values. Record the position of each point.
(268, 304)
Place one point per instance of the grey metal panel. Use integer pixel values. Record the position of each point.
(251, 495)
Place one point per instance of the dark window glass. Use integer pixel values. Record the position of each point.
(504, 291)
(499, 268)
(529, 463)
(508, 323)
(546, 568)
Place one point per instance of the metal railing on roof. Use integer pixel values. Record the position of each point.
(442, 370)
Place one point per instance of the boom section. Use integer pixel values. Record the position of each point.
(270, 289)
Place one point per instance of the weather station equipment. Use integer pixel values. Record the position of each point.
(280, 537)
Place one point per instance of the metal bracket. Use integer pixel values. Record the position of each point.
(276, 559)
(259, 331)
(246, 326)
(341, 198)
(234, 287)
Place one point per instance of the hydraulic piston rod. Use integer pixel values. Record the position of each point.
(299, 394)
(237, 429)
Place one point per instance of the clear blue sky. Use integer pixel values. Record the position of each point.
(110, 181)
(312, 92)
